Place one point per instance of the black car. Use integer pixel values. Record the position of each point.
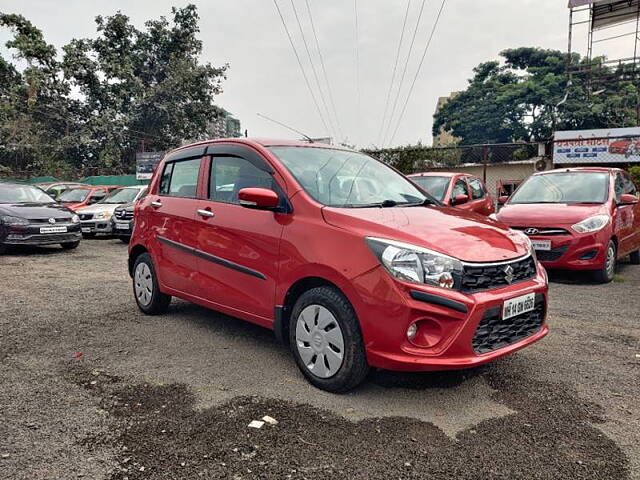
(28, 216)
(122, 221)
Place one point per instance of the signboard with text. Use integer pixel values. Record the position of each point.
(146, 163)
(615, 145)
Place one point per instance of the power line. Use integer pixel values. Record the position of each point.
(358, 126)
(404, 72)
(306, 80)
(393, 75)
(415, 78)
(313, 67)
(324, 70)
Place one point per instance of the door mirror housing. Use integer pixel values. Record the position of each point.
(502, 199)
(258, 198)
(628, 199)
(460, 199)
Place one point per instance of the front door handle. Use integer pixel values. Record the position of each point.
(156, 204)
(206, 213)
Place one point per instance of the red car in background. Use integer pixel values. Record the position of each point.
(77, 198)
(347, 261)
(578, 218)
(459, 190)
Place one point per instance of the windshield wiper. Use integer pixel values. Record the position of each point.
(383, 204)
(424, 203)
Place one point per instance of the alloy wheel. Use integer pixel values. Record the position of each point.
(611, 261)
(319, 341)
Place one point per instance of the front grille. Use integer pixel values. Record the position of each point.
(494, 333)
(545, 231)
(85, 216)
(123, 214)
(485, 277)
(46, 220)
(551, 255)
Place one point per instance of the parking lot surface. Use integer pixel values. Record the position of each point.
(91, 388)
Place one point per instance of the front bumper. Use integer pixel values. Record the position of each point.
(32, 235)
(102, 225)
(121, 228)
(575, 251)
(452, 323)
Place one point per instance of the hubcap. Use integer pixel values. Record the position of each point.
(319, 341)
(143, 284)
(611, 261)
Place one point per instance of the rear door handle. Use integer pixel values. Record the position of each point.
(156, 204)
(206, 213)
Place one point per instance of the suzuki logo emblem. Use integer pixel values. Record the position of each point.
(532, 231)
(508, 273)
(52, 220)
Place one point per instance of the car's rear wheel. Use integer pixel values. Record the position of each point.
(70, 245)
(145, 287)
(608, 270)
(635, 257)
(326, 341)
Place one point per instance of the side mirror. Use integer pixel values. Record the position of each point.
(628, 199)
(502, 199)
(258, 198)
(460, 199)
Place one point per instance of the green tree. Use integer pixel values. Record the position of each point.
(518, 99)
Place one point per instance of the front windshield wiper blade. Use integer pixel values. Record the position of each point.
(383, 204)
(424, 203)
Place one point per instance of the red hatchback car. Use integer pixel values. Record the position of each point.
(578, 218)
(342, 256)
(80, 197)
(459, 190)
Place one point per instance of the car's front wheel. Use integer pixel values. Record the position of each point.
(145, 287)
(89, 235)
(634, 257)
(125, 239)
(3, 249)
(608, 270)
(326, 341)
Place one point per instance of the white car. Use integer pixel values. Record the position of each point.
(96, 218)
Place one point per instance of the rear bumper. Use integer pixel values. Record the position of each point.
(452, 326)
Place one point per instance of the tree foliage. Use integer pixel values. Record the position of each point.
(518, 99)
(91, 107)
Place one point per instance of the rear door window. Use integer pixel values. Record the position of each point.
(180, 179)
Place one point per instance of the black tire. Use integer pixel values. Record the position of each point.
(634, 257)
(89, 235)
(70, 245)
(3, 249)
(158, 302)
(606, 273)
(354, 367)
(126, 239)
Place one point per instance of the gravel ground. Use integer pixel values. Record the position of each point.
(171, 396)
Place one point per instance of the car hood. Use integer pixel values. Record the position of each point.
(35, 210)
(548, 214)
(466, 236)
(99, 207)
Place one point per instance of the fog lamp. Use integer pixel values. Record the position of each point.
(411, 331)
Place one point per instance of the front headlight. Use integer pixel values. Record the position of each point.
(75, 219)
(592, 224)
(9, 220)
(415, 264)
(103, 215)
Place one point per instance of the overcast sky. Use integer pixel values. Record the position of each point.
(265, 77)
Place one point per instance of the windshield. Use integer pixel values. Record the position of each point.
(566, 187)
(23, 194)
(339, 178)
(122, 195)
(75, 195)
(434, 186)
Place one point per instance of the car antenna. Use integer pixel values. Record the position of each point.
(287, 126)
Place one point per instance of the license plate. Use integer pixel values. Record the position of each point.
(541, 244)
(53, 229)
(86, 229)
(122, 226)
(518, 305)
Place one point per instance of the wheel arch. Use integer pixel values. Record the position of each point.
(134, 253)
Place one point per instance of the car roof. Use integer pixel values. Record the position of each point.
(263, 142)
(581, 169)
(16, 184)
(438, 174)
